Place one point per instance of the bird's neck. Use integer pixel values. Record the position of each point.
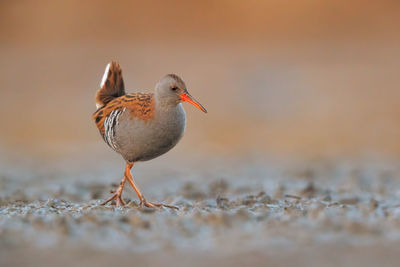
(165, 104)
(170, 113)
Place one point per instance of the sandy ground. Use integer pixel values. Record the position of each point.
(258, 211)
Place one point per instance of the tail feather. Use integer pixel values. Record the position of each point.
(111, 86)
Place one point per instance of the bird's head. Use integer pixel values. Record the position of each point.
(171, 90)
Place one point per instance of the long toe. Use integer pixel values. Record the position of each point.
(118, 199)
(156, 205)
(109, 200)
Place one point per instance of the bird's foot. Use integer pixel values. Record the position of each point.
(117, 195)
(145, 203)
(118, 199)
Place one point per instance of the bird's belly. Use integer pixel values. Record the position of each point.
(140, 140)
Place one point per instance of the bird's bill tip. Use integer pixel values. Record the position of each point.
(188, 98)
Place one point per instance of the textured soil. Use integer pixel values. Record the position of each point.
(304, 213)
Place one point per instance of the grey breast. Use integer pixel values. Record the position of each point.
(139, 140)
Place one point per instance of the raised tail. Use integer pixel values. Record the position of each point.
(111, 86)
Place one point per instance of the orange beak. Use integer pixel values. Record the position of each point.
(188, 98)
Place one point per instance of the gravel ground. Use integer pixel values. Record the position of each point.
(324, 212)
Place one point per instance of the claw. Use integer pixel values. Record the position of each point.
(152, 205)
(117, 197)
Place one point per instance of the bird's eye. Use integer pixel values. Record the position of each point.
(174, 88)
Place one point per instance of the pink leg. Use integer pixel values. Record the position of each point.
(118, 195)
(143, 201)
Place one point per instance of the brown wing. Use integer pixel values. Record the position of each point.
(139, 106)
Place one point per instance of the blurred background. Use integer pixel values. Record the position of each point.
(296, 162)
(301, 78)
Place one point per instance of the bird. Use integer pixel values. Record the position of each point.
(140, 126)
